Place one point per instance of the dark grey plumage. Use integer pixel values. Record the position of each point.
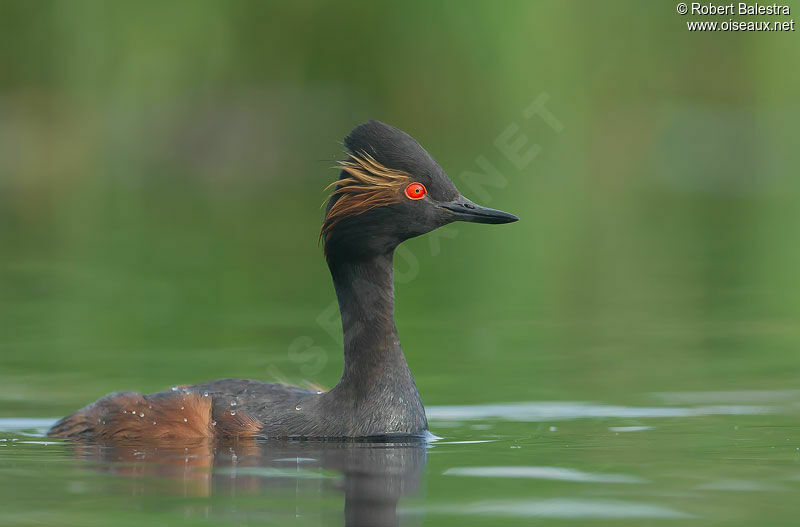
(376, 395)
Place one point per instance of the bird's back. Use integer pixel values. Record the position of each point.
(220, 408)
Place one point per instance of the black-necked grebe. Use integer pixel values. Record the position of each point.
(389, 190)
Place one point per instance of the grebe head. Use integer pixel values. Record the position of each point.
(389, 190)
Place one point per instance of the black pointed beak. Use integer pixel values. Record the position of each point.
(465, 210)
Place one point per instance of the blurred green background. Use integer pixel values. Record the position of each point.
(162, 167)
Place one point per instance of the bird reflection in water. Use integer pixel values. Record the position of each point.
(373, 476)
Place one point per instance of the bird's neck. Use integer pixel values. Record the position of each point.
(365, 290)
(376, 383)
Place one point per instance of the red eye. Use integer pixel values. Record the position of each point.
(415, 191)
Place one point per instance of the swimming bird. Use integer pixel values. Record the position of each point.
(389, 190)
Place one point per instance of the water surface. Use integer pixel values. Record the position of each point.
(510, 464)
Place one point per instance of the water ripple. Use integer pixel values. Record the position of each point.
(536, 411)
(549, 473)
(568, 508)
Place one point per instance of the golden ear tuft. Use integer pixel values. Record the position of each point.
(367, 185)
